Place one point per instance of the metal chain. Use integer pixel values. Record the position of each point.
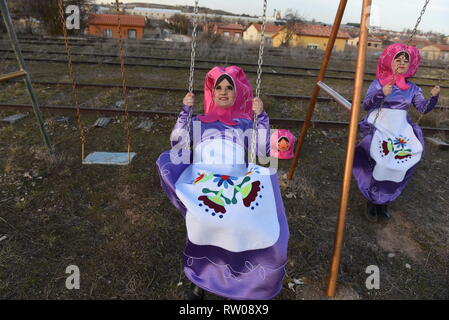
(123, 78)
(192, 70)
(193, 48)
(423, 10)
(252, 154)
(81, 127)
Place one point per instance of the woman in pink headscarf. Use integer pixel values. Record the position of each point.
(237, 232)
(392, 145)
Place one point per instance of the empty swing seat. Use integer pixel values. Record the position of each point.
(112, 158)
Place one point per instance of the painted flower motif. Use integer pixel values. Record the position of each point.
(224, 180)
(250, 192)
(214, 203)
(252, 170)
(400, 142)
(199, 178)
(202, 177)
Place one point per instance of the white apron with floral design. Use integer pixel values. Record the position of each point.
(394, 147)
(229, 205)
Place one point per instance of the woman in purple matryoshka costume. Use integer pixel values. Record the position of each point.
(392, 145)
(237, 233)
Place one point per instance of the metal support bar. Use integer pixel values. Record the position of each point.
(316, 90)
(335, 95)
(15, 45)
(352, 136)
(12, 75)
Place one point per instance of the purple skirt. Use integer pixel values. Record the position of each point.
(377, 192)
(249, 274)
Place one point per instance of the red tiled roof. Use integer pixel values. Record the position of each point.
(234, 26)
(271, 28)
(112, 19)
(318, 31)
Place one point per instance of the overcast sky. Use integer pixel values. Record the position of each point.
(391, 14)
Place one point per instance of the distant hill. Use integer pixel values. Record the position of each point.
(182, 8)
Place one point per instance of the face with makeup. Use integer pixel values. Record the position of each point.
(224, 94)
(283, 144)
(400, 63)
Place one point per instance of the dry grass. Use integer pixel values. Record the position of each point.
(118, 227)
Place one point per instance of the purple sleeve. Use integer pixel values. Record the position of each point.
(263, 132)
(179, 130)
(374, 96)
(421, 104)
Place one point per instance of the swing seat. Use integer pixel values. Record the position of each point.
(112, 158)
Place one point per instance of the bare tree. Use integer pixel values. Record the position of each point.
(179, 24)
(293, 18)
(47, 12)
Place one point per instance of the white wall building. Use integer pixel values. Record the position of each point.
(162, 14)
(153, 13)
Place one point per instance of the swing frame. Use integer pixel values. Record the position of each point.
(23, 72)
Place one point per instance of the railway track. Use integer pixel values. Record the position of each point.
(156, 44)
(239, 63)
(171, 89)
(165, 66)
(284, 122)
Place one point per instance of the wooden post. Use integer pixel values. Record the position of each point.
(316, 89)
(353, 126)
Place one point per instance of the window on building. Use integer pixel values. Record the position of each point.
(375, 45)
(369, 44)
(312, 46)
(132, 34)
(226, 34)
(237, 35)
(107, 33)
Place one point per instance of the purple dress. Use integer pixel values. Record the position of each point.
(385, 183)
(237, 233)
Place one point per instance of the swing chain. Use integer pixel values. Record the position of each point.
(81, 127)
(418, 22)
(192, 70)
(193, 51)
(252, 158)
(123, 77)
(261, 48)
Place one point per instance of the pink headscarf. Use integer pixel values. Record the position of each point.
(385, 71)
(242, 107)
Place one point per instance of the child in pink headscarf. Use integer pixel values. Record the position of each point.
(237, 233)
(392, 145)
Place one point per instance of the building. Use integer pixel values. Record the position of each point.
(253, 32)
(153, 13)
(106, 26)
(436, 52)
(311, 36)
(420, 43)
(373, 42)
(232, 31)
